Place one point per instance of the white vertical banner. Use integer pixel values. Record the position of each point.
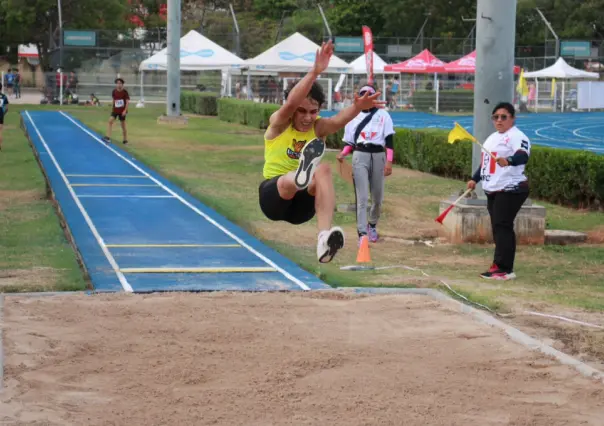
(340, 82)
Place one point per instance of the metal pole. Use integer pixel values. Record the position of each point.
(325, 21)
(237, 34)
(173, 98)
(552, 31)
(494, 79)
(60, 34)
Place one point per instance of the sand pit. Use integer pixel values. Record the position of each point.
(275, 359)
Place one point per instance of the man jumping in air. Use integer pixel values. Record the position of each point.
(296, 186)
(121, 100)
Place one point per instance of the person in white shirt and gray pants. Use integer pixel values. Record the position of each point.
(505, 185)
(370, 136)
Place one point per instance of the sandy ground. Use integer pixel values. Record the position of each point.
(275, 359)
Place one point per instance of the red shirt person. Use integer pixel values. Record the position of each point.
(121, 101)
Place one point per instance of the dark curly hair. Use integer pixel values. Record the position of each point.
(316, 92)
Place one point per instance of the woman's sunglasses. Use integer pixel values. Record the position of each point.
(503, 117)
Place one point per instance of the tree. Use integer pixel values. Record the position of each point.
(25, 23)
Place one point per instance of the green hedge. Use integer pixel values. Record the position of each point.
(569, 177)
(202, 103)
(448, 100)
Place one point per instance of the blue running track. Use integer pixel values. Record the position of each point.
(573, 130)
(137, 232)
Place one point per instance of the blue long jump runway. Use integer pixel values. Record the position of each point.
(137, 232)
(573, 130)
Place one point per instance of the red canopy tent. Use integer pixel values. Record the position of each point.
(467, 65)
(423, 63)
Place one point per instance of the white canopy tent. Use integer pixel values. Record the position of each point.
(197, 53)
(294, 54)
(358, 66)
(560, 70)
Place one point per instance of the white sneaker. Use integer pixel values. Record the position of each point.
(310, 157)
(329, 243)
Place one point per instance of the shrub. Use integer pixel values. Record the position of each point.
(569, 177)
(203, 103)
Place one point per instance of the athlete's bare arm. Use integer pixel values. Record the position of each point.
(327, 126)
(280, 119)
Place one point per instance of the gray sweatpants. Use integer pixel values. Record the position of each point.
(368, 174)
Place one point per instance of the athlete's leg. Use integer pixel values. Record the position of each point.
(325, 196)
(378, 163)
(331, 239)
(360, 174)
(124, 129)
(1, 127)
(109, 128)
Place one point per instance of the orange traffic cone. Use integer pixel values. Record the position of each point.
(363, 254)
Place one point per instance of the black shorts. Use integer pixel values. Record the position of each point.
(296, 211)
(1, 118)
(119, 116)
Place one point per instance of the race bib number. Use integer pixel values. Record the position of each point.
(119, 103)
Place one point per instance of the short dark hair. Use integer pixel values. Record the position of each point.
(507, 106)
(119, 79)
(315, 93)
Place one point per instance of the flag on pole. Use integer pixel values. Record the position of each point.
(460, 134)
(368, 45)
(522, 87)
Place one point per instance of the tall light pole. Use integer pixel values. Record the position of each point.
(60, 34)
(494, 79)
(173, 95)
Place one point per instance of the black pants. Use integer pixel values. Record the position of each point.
(503, 208)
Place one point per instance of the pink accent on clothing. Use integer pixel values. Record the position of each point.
(389, 155)
(347, 150)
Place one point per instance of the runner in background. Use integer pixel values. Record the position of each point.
(3, 111)
(370, 137)
(121, 100)
(505, 185)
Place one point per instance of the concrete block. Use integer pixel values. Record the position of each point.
(469, 222)
(560, 237)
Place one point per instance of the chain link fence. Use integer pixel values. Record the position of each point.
(89, 73)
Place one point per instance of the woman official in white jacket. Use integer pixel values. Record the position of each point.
(369, 136)
(505, 185)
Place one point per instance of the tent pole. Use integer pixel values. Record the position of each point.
(142, 87)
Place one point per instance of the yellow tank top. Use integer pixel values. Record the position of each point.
(282, 154)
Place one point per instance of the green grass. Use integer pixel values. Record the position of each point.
(221, 163)
(34, 252)
(203, 158)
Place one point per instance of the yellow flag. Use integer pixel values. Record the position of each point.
(553, 92)
(459, 134)
(522, 87)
